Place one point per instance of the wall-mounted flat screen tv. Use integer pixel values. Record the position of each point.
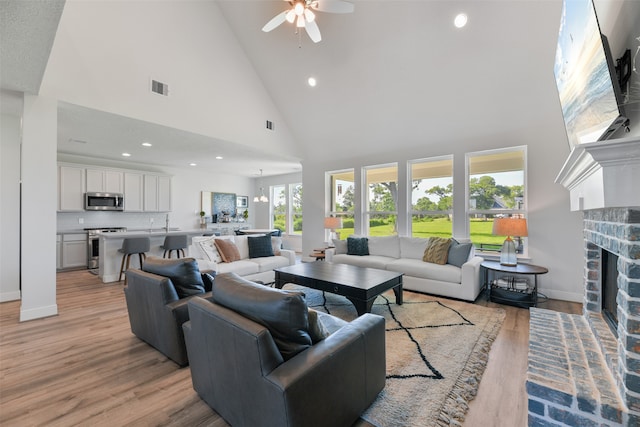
(583, 68)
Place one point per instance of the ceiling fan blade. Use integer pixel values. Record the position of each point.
(313, 31)
(276, 21)
(333, 6)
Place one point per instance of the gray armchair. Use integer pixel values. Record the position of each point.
(238, 368)
(157, 305)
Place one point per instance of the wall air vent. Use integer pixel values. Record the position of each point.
(269, 125)
(159, 88)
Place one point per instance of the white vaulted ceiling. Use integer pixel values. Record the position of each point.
(393, 73)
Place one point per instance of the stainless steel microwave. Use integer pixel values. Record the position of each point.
(104, 202)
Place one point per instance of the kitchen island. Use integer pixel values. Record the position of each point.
(111, 259)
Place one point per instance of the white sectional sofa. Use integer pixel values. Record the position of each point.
(404, 255)
(255, 269)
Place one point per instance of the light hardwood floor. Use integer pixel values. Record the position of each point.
(84, 367)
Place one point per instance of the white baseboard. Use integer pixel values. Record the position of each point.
(37, 313)
(562, 296)
(10, 296)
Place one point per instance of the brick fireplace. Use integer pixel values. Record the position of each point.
(583, 371)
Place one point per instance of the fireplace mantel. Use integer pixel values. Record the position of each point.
(603, 174)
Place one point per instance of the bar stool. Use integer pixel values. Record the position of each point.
(132, 246)
(177, 242)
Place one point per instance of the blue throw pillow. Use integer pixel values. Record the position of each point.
(357, 246)
(458, 253)
(260, 246)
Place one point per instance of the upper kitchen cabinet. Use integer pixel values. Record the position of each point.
(71, 188)
(105, 181)
(133, 192)
(157, 193)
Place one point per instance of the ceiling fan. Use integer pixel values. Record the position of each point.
(302, 14)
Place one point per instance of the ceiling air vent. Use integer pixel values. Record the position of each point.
(159, 88)
(269, 125)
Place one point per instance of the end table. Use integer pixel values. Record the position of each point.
(521, 298)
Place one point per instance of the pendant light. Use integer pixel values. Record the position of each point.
(261, 198)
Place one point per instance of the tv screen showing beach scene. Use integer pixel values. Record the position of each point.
(585, 87)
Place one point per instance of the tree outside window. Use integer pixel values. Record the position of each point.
(432, 197)
(496, 188)
(382, 200)
(342, 203)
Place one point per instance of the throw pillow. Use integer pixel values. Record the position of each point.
(458, 253)
(283, 313)
(437, 250)
(260, 246)
(340, 245)
(209, 250)
(276, 244)
(357, 246)
(228, 250)
(317, 331)
(183, 272)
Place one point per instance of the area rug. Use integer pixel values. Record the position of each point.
(437, 350)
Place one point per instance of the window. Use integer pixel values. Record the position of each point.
(342, 203)
(295, 216)
(278, 207)
(286, 208)
(381, 200)
(496, 188)
(431, 197)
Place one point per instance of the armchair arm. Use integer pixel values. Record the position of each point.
(289, 254)
(471, 275)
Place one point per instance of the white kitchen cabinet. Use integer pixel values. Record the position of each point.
(157, 193)
(133, 192)
(58, 251)
(71, 188)
(74, 250)
(105, 181)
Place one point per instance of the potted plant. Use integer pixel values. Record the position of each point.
(203, 220)
(245, 214)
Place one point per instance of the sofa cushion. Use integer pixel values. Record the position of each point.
(284, 313)
(437, 250)
(183, 272)
(228, 250)
(357, 246)
(388, 246)
(426, 270)
(276, 244)
(371, 261)
(242, 243)
(269, 263)
(412, 247)
(340, 245)
(458, 253)
(260, 246)
(243, 267)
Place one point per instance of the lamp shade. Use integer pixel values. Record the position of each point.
(510, 227)
(332, 222)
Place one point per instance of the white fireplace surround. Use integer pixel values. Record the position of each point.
(603, 174)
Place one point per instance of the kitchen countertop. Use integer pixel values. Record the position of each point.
(154, 232)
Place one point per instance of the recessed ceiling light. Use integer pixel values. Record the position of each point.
(312, 81)
(460, 20)
(126, 155)
(218, 157)
(193, 164)
(147, 144)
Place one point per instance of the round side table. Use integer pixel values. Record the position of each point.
(513, 297)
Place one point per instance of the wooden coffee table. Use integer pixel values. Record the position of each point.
(359, 285)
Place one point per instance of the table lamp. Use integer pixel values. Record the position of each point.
(516, 227)
(331, 223)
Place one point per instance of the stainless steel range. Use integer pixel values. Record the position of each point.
(93, 243)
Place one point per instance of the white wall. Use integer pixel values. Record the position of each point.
(555, 233)
(9, 207)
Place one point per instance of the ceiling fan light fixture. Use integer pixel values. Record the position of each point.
(290, 16)
(309, 16)
(299, 8)
(300, 23)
